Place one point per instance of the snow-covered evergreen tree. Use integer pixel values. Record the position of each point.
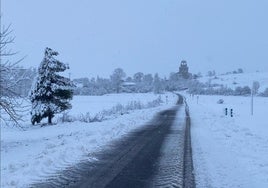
(51, 93)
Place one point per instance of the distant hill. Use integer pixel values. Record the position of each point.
(242, 79)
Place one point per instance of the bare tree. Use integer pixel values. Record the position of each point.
(157, 84)
(117, 78)
(8, 78)
(255, 87)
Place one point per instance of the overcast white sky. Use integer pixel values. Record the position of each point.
(95, 37)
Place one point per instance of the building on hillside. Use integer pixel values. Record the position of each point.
(184, 70)
(128, 87)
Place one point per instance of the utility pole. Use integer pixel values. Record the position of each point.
(0, 32)
(251, 105)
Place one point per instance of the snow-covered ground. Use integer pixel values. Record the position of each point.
(95, 104)
(235, 80)
(35, 153)
(229, 151)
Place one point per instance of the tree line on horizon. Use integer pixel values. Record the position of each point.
(50, 92)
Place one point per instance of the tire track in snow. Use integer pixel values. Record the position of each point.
(170, 165)
(154, 156)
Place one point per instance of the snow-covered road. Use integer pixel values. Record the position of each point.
(36, 153)
(152, 156)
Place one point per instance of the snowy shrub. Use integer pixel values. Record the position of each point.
(264, 93)
(118, 108)
(155, 103)
(99, 117)
(87, 118)
(220, 101)
(107, 112)
(242, 91)
(134, 105)
(66, 117)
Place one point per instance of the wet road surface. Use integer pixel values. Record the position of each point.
(157, 155)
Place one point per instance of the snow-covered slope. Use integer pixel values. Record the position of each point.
(234, 80)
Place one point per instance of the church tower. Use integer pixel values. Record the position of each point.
(183, 70)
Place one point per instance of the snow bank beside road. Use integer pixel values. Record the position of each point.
(36, 153)
(229, 151)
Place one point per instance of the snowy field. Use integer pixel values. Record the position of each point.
(95, 104)
(235, 80)
(35, 153)
(229, 151)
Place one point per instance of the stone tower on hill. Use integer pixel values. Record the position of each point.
(184, 70)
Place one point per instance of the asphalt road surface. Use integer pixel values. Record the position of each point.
(157, 155)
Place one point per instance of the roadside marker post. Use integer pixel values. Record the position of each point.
(226, 111)
(231, 112)
(166, 99)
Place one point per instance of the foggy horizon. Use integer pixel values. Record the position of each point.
(95, 38)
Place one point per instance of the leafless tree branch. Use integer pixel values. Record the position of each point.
(10, 99)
